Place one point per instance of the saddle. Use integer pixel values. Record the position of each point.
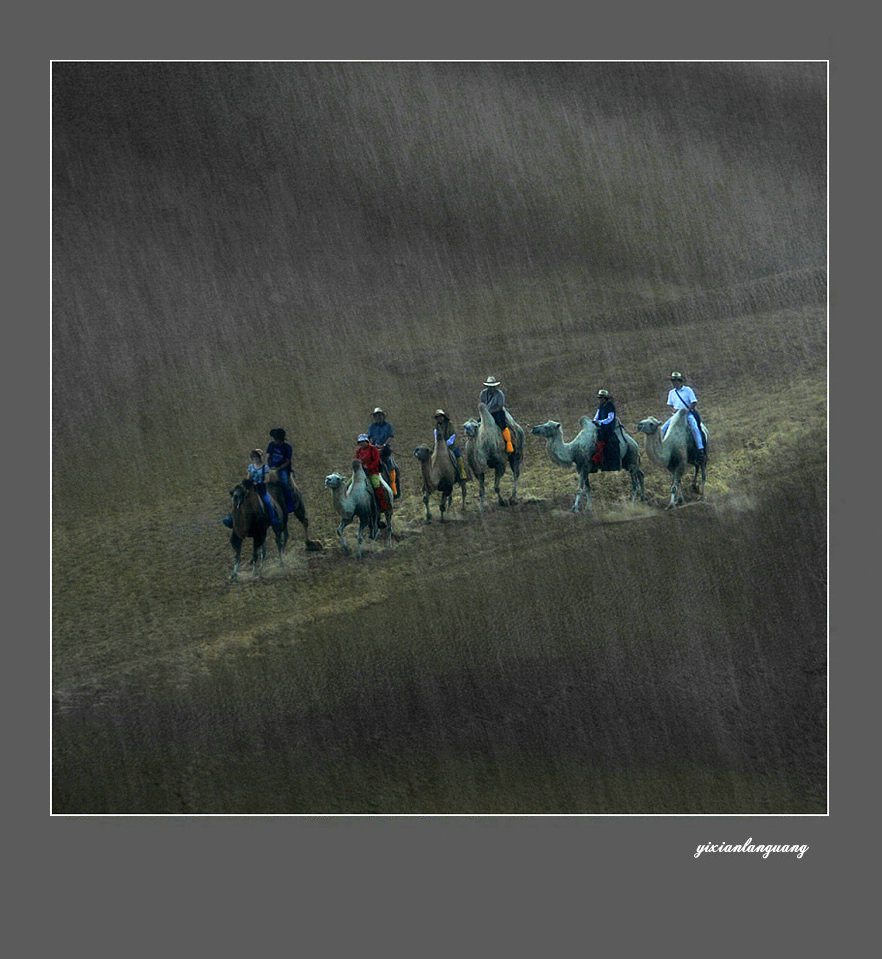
(389, 472)
(611, 451)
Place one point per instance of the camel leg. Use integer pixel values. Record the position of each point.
(236, 543)
(340, 529)
(300, 512)
(481, 492)
(515, 474)
(497, 479)
(360, 539)
(310, 544)
(636, 483)
(582, 490)
(676, 494)
(426, 504)
(462, 487)
(281, 540)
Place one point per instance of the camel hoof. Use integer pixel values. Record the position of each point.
(313, 546)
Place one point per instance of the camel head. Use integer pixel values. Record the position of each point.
(334, 481)
(470, 427)
(649, 426)
(548, 430)
(423, 454)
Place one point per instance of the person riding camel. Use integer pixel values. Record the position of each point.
(257, 473)
(607, 455)
(494, 399)
(444, 429)
(369, 456)
(278, 458)
(379, 433)
(682, 397)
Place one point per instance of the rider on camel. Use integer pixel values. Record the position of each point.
(494, 399)
(369, 456)
(607, 455)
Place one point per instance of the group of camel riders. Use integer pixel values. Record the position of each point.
(680, 397)
(375, 453)
(277, 457)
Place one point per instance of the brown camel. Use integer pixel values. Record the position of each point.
(439, 474)
(250, 521)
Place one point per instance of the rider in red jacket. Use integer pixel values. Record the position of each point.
(369, 455)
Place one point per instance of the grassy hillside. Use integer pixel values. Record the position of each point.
(243, 246)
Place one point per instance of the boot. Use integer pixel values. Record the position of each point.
(702, 457)
(393, 481)
(381, 499)
(506, 433)
(598, 456)
(228, 521)
(463, 472)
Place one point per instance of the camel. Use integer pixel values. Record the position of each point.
(277, 491)
(580, 451)
(675, 452)
(485, 451)
(357, 502)
(250, 520)
(439, 473)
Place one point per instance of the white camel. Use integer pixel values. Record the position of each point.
(485, 451)
(439, 473)
(675, 451)
(357, 502)
(580, 452)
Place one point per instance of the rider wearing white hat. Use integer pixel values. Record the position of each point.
(682, 397)
(494, 399)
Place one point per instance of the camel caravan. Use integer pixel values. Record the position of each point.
(494, 445)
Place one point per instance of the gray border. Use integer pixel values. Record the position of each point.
(426, 887)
